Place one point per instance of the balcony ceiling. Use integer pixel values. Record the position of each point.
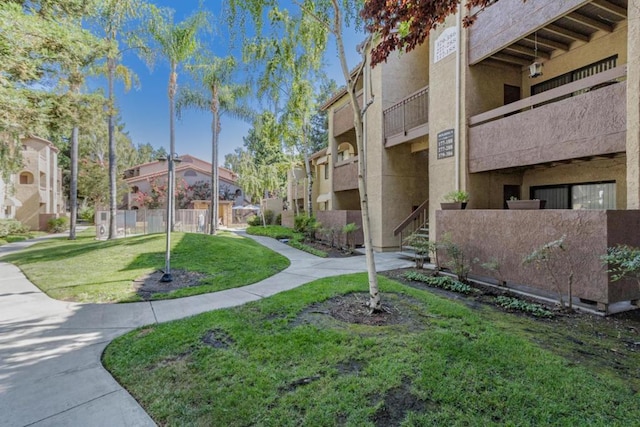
(577, 26)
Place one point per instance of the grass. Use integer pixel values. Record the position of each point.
(283, 364)
(295, 239)
(88, 270)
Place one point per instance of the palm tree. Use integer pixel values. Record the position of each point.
(112, 16)
(177, 43)
(222, 97)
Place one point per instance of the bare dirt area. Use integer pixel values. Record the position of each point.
(149, 285)
(332, 252)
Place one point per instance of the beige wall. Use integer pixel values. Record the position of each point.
(601, 46)
(442, 116)
(633, 107)
(397, 179)
(485, 85)
(44, 195)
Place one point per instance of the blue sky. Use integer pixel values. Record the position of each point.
(145, 111)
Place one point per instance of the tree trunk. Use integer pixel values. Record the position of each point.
(215, 185)
(307, 169)
(374, 294)
(113, 170)
(216, 174)
(73, 185)
(173, 86)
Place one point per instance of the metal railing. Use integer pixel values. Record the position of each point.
(418, 220)
(407, 114)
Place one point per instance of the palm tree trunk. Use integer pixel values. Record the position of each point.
(215, 184)
(173, 86)
(216, 173)
(111, 65)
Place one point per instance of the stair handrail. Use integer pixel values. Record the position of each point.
(414, 215)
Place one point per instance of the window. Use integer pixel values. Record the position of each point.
(135, 189)
(190, 173)
(326, 171)
(572, 76)
(577, 196)
(26, 178)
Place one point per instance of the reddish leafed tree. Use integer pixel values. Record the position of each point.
(405, 24)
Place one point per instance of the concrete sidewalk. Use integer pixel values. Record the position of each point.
(50, 370)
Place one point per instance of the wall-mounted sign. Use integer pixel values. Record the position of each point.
(446, 144)
(445, 44)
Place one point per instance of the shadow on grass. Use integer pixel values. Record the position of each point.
(61, 248)
(197, 252)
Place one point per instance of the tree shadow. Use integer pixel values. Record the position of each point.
(53, 250)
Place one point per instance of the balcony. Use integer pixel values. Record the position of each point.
(343, 118)
(345, 175)
(510, 30)
(408, 119)
(578, 120)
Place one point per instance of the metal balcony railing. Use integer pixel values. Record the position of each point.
(411, 112)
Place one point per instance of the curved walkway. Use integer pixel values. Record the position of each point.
(50, 369)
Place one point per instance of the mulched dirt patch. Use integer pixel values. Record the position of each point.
(397, 402)
(217, 338)
(397, 309)
(331, 251)
(149, 285)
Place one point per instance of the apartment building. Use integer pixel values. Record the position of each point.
(537, 100)
(189, 170)
(34, 194)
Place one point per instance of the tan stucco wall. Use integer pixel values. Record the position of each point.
(442, 116)
(633, 107)
(601, 46)
(397, 179)
(485, 85)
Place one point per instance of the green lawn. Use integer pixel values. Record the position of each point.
(88, 270)
(283, 362)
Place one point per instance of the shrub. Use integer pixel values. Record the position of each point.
(269, 217)
(457, 196)
(552, 257)
(306, 225)
(511, 303)
(58, 225)
(623, 261)
(421, 245)
(273, 231)
(255, 221)
(313, 251)
(86, 213)
(349, 230)
(442, 282)
(457, 261)
(12, 226)
(278, 219)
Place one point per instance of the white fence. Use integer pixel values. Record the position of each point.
(147, 221)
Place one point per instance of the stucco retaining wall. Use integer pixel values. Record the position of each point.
(509, 235)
